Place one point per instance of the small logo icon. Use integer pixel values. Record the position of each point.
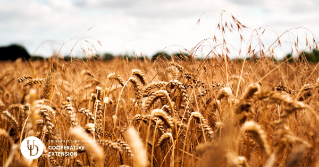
(32, 147)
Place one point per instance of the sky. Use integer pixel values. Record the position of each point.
(84, 27)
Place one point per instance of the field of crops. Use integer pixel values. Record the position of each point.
(208, 112)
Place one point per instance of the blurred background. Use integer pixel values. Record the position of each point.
(146, 27)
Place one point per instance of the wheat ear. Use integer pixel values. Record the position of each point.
(156, 95)
(163, 116)
(140, 75)
(125, 147)
(116, 77)
(92, 148)
(304, 88)
(224, 93)
(242, 108)
(25, 77)
(258, 134)
(179, 67)
(12, 119)
(163, 138)
(49, 115)
(34, 81)
(137, 90)
(15, 106)
(204, 125)
(182, 89)
(147, 90)
(136, 145)
(236, 161)
(87, 113)
(147, 118)
(6, 134)
(250, 91)
(48, 86)
(291, 104)
(68, 108)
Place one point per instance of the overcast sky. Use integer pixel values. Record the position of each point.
(143, 26)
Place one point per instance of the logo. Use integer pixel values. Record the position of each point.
(32, 147)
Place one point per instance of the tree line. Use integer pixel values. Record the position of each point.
(15, 51)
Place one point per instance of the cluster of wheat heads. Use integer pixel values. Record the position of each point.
(144, 114)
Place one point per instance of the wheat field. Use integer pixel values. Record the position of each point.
(209, 112)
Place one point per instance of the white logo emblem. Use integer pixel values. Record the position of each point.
(32, 147)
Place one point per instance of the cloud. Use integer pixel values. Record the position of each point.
(150, 8)
(248, 2)
(144, 25)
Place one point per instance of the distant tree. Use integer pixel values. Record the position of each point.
(67, 58)
(161, 55)
(311, 56)
(126, 57)
(37, 57)
(181, 56)
(13, 52)
(108, 56)
(289, 58)
(141, 58)
(95, 57)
